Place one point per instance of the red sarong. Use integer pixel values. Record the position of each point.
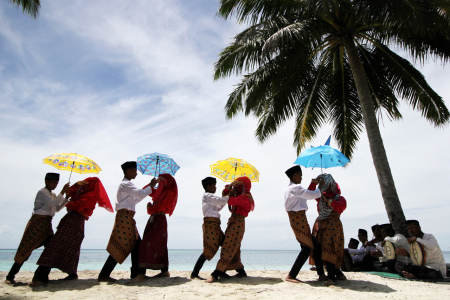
(153, 252)
(63, 250)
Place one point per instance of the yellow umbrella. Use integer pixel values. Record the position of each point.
(231, 168)
(72, 162)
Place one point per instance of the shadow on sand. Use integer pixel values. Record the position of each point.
(356, 285)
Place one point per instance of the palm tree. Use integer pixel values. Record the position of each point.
(30, 7)
(328, 61)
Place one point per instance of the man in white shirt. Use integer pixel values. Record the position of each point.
(125, 238)
(39, 229)
(296, 207)
(434, 267)
(359, 254)
(212, 233)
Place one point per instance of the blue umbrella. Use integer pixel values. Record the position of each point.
(322, 156)
(156, 163)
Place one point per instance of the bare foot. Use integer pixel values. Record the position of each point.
(197, 277)
(139, 278)
(409, 275)
(341, 277)
(162, 274)
(106, 279)
(293, 279)
(330, 282)
(322, 277)
(35, 283)
(10, 281)
(211, 279)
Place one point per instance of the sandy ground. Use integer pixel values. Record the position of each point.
(259, 285)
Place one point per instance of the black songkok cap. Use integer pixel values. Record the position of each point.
(376, 227)
(208, 181)
(362, 232)
(291, 171)
(128, 165)
(354, 241)
(412, 222)
(52, 176)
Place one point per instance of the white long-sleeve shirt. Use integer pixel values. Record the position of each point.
(400, 242)
(212, 204)
(295, 197)
(358, 254)
(435, 258)
(47, 203)
(128, 195)
(381, 249)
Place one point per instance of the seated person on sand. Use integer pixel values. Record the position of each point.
(63, 250)
(388, 234)
(39, 229)
(212, 233)
(240, 204)
(359, 254)
(434, 267)
(347, 263)
(153, 253)
(367, 262)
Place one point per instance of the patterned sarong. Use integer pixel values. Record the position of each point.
(301, 229)
(332, 240)
(230, 254)
(38, 229)
(63, 250)
(153, 252)
(124, 235)
(212, 237)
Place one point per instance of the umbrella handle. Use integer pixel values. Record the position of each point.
(73, 164)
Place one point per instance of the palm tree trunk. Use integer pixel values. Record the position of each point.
(385, 179)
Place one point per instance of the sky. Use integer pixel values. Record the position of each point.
(113, 81)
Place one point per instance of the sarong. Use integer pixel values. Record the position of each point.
(230, 254)
(39, 227)
(212, 237)
(153, 252)
(63, 250)
(332, 240)
(301, 229)
(124, 235)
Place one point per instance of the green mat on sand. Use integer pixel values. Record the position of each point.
(396, 276)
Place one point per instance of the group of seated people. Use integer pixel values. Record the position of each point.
(372, 255)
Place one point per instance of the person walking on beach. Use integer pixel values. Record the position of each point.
(39, 231)
(153, 253)
(125, 238)
(212, 233)
(63, 250)
(241, 203)
(295, 203)
(328, 230)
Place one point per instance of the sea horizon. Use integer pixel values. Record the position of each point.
(179, 259)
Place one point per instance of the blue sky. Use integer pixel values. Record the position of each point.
(113, 80)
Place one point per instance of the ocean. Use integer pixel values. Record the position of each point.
(180, 260)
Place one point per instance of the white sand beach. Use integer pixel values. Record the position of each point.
(259, 285)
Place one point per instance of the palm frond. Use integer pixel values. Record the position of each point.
(30, 7)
